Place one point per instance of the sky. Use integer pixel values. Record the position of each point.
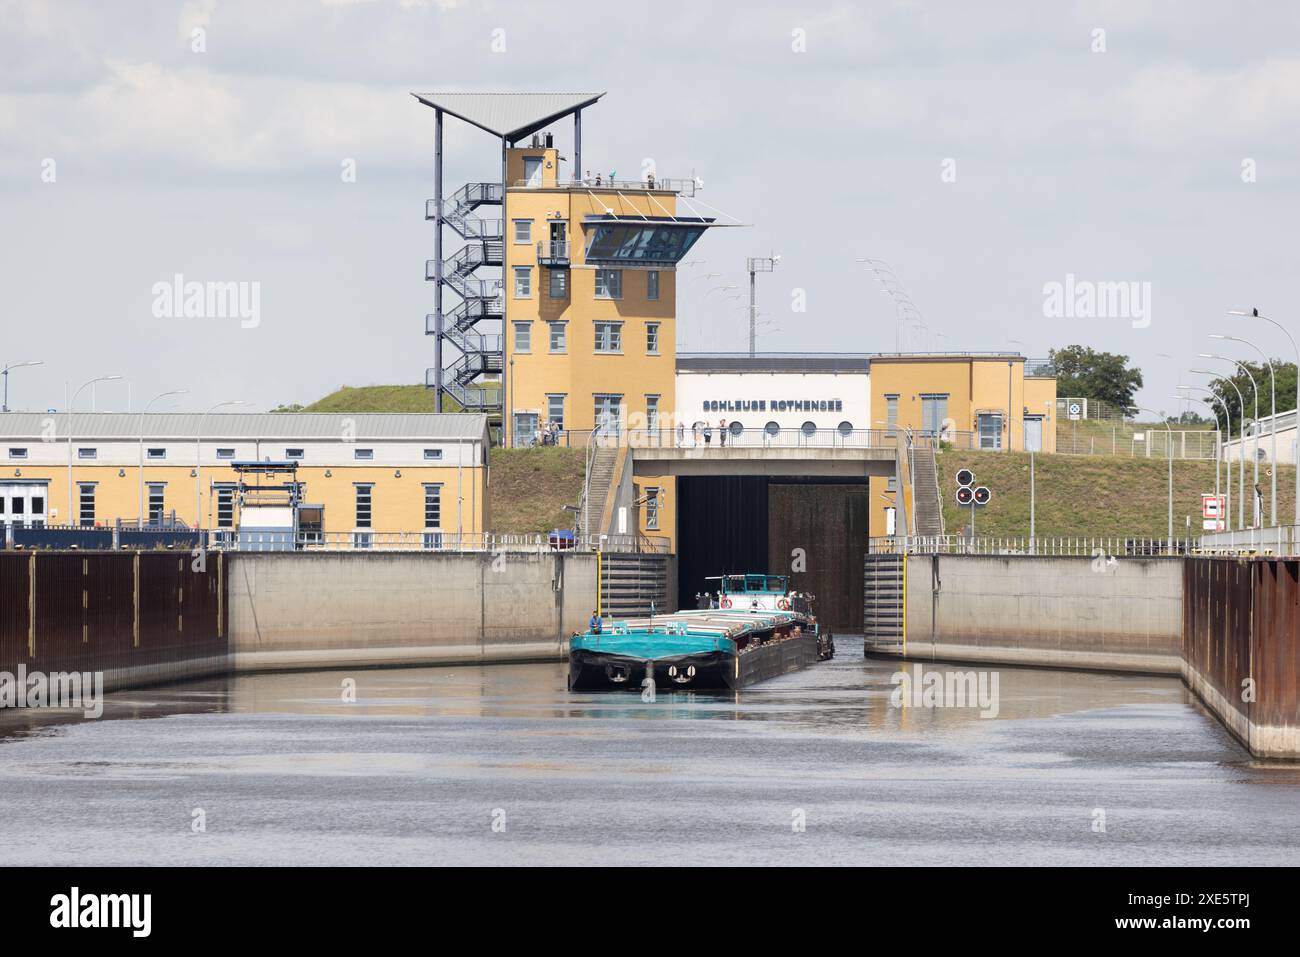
(999, 158)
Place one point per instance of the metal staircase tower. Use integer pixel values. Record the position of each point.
(474, 325)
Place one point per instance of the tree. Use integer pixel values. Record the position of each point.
(1223, 388)
(1085, 373)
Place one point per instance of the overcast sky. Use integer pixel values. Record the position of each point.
(982, 150)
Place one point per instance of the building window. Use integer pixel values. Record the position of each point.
(559, 283)
(433, 506)
(523, 282)
(18, 453)
(891, 414)
(652, 508)
(845, 429)
(156, 503)
(652, 413)
(87, 453)
(225, 506)
(735, 427)
(609, 413)
(891, 484)
(809, 429)
(433, 455)
(86, 503)
(523, 230)
(293, 454)
(652, 284)
(225, 453)
(772, 429)
(652, 338)
(365, 512)
(609, 337)
(555, 411)
(558, 338)
(990, 430)
(526, 433)
(363, 455)
(934, 412)
(156, 454)
(609, 284)
(523, 337)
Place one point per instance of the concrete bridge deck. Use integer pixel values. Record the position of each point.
(838, 462)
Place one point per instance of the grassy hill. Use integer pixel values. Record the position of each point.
(379, 398)
(1091, 495)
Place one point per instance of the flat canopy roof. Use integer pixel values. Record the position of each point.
(511, 116)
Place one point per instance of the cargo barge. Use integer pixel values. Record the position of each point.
(759, 629)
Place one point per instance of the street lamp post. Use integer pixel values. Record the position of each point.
(1169, 450)
(1254, 313)
(198, 462)
(139, 522)
(1227, 417)
(72, 402)
(1272, 382)
(1255, 454)
(4, 406)
(1241, 462)
(757, 264)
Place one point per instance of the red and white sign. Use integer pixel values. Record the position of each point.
(1213, 506)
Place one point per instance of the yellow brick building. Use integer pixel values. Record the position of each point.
(360, 474)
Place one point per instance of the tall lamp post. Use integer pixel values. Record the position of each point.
(72, 402)
(1255, 314)
(1272, 381)
(139, 522)
(1241, 428)
(1169, 450)
(1255, 454)
(757, 264)
(1218, 469)
(4, 406)
(1227, 417)
(198, 461)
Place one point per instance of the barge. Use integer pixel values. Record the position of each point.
(759, 629)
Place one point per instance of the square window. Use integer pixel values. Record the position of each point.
(294, 454)
(87, 453)
(523, 230)
(363, 455)
(559, 337)
(555, 411)
(652, 338)
(523, 282)
(225, 453)
(157, 454)
(432, 455)
(609, 336)
(609, 284)
(523, 337)
(559, 283)
(18, 453)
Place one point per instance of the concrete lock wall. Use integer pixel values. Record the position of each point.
(1061, 612)
(365, 610)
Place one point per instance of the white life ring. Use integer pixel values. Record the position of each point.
(783, 604)
(725, 603)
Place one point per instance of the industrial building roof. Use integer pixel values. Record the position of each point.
(508, 115)
(458, 426)
(773, 362)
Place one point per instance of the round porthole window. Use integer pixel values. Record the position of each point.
(734, 427)
(809, 429)
(845, 429)
(772, 429)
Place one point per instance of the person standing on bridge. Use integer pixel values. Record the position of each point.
(722, 433)
(708, 434)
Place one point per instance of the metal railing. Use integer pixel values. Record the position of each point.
(1089, 547)
(686, 187)
(549, 252)
(1132, 440)
(1273, 540)
(438, 541)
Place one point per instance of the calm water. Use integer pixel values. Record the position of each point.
(412, 774)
